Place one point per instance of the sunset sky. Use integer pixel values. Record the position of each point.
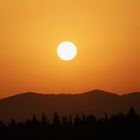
(106, 33)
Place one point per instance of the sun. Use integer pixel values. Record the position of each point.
(66, 50)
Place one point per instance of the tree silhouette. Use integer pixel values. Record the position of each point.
(44, 120)
(56, 120)
(117, 126)
(132, 113)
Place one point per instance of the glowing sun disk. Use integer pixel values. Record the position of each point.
(66, 51)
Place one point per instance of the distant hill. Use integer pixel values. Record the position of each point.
(97, 102)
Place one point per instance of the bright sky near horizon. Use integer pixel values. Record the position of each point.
(106, 33)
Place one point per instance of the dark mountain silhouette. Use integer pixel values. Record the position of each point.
(97, 102)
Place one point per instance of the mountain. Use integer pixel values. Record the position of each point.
(97, 102)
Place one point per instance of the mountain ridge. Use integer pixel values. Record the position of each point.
(45, 94)
(22, 106)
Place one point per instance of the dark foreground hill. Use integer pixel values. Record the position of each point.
(97, 102)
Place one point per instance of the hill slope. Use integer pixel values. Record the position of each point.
(97, 102)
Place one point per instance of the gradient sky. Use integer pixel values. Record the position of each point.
(106, 32)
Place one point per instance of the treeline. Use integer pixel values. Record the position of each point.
(115, 127)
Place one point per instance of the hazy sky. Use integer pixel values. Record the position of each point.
(106, 32)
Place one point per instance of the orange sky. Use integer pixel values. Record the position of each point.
(106, 32)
